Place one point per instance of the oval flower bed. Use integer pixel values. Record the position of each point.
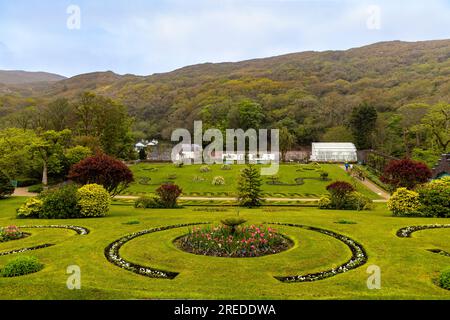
(242, 242)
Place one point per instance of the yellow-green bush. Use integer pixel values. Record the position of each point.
(404, 202)
(30, 209)
(434, 198)
(93, 200)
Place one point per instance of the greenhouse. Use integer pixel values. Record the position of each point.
(334, 152)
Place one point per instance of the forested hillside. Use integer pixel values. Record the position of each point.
(310, 94)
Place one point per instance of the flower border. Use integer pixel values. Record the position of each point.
(112, 253)
(77, 229)
(407, 231)
(359, 257)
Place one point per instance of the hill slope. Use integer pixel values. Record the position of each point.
(24, 77)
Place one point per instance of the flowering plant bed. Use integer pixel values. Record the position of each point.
(243, 242)
(11, 233)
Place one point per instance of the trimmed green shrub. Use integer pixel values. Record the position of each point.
(60, 203)
(444, 279)
(26, 182)
(38, 188)
(205, 169)
(358, 201)
(404, 202)
(218, 181)
(325, 203)
(226, 167)
(147, 203)
(30, 209)
(21, 266)
(434, 198)
(324, 176)
(6, 188)
(93, 200)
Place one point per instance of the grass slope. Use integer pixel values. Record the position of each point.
(188, 178)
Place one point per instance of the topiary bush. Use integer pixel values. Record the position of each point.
(60, 203)
(205, 169)
(404, 202)
(6, 188)
(434, 198)
(218, 181)
(444, 279)
(21, 266)
(30, 209)
(93, 201)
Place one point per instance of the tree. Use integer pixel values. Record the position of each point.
(249, 187)
(59, 114)
(337, 134)
(246, 115)
(104, 170)
(437, 122)
(6, 188)
(16, 152)
(76, 154)
(362, 124)
(49, 147)
(411, 116)
(405, 173)
(286, 142)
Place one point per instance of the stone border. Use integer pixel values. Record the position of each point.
(77, 229)
(112, 253)
(42, 246)
(359, 257)
(407, 231)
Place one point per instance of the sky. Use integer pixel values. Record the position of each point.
(152, 36)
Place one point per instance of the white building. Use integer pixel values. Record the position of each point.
(334, 152)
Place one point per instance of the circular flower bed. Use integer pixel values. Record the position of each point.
(241, 242)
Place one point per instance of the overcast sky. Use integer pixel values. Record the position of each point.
(148, 36)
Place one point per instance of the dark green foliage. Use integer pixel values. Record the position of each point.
(6, 188)
(21, 266)
(362, 123)
(249, 187)
(434, 198)
(142, 154)
(444, 279)
(60, 203)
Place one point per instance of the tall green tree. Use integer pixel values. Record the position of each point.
(362, 123)
(249, 187)
(287, 141)
(49, 148)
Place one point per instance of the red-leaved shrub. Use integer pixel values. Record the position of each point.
(104, 170)
(406, 173)
(339, 191)
(168, 195)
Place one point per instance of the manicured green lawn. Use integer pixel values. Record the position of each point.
(196, 183)
(408, 269)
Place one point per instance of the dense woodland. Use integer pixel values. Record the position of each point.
(391, 96)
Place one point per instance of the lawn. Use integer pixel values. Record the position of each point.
(195, 183)
(407, 268)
